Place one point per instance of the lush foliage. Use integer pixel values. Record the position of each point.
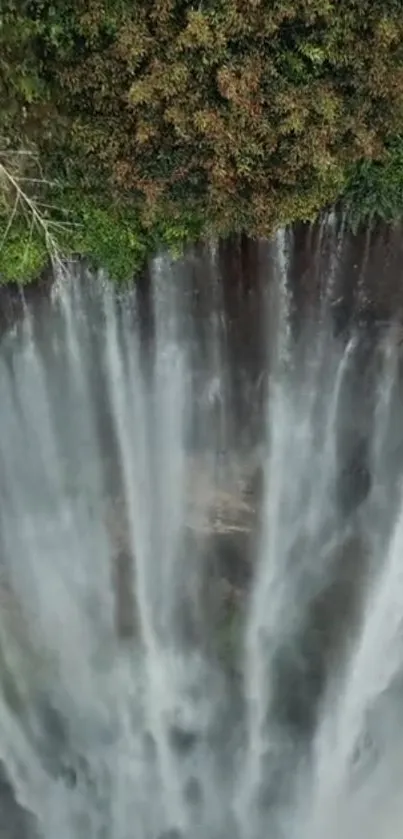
(374, 189)
(217, 115)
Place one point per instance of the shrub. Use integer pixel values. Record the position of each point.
(172, 119)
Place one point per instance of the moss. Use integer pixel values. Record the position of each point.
(110, 236)
(22, 256)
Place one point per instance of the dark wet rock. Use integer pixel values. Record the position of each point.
(354, 479)
(48, 731)
(77, 772)
(14, 299)
(364, 757)
(69, 775)
(193, 792)
(231, 558)
(182, 740)
(53, 723)
(15, 822)
(125, 612)
(171, 833)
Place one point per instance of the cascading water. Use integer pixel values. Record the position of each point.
(122, 714)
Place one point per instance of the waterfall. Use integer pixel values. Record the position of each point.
(201, 598)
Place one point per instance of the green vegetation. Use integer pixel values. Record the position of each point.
(374, 189)
(157, 122)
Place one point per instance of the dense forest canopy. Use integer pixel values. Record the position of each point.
(130, 123)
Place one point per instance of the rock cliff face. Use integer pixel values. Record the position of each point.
(15, 823)
(221, 521)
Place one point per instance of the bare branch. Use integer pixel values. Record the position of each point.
(10, 220)
(30, 207)
(36, 181)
